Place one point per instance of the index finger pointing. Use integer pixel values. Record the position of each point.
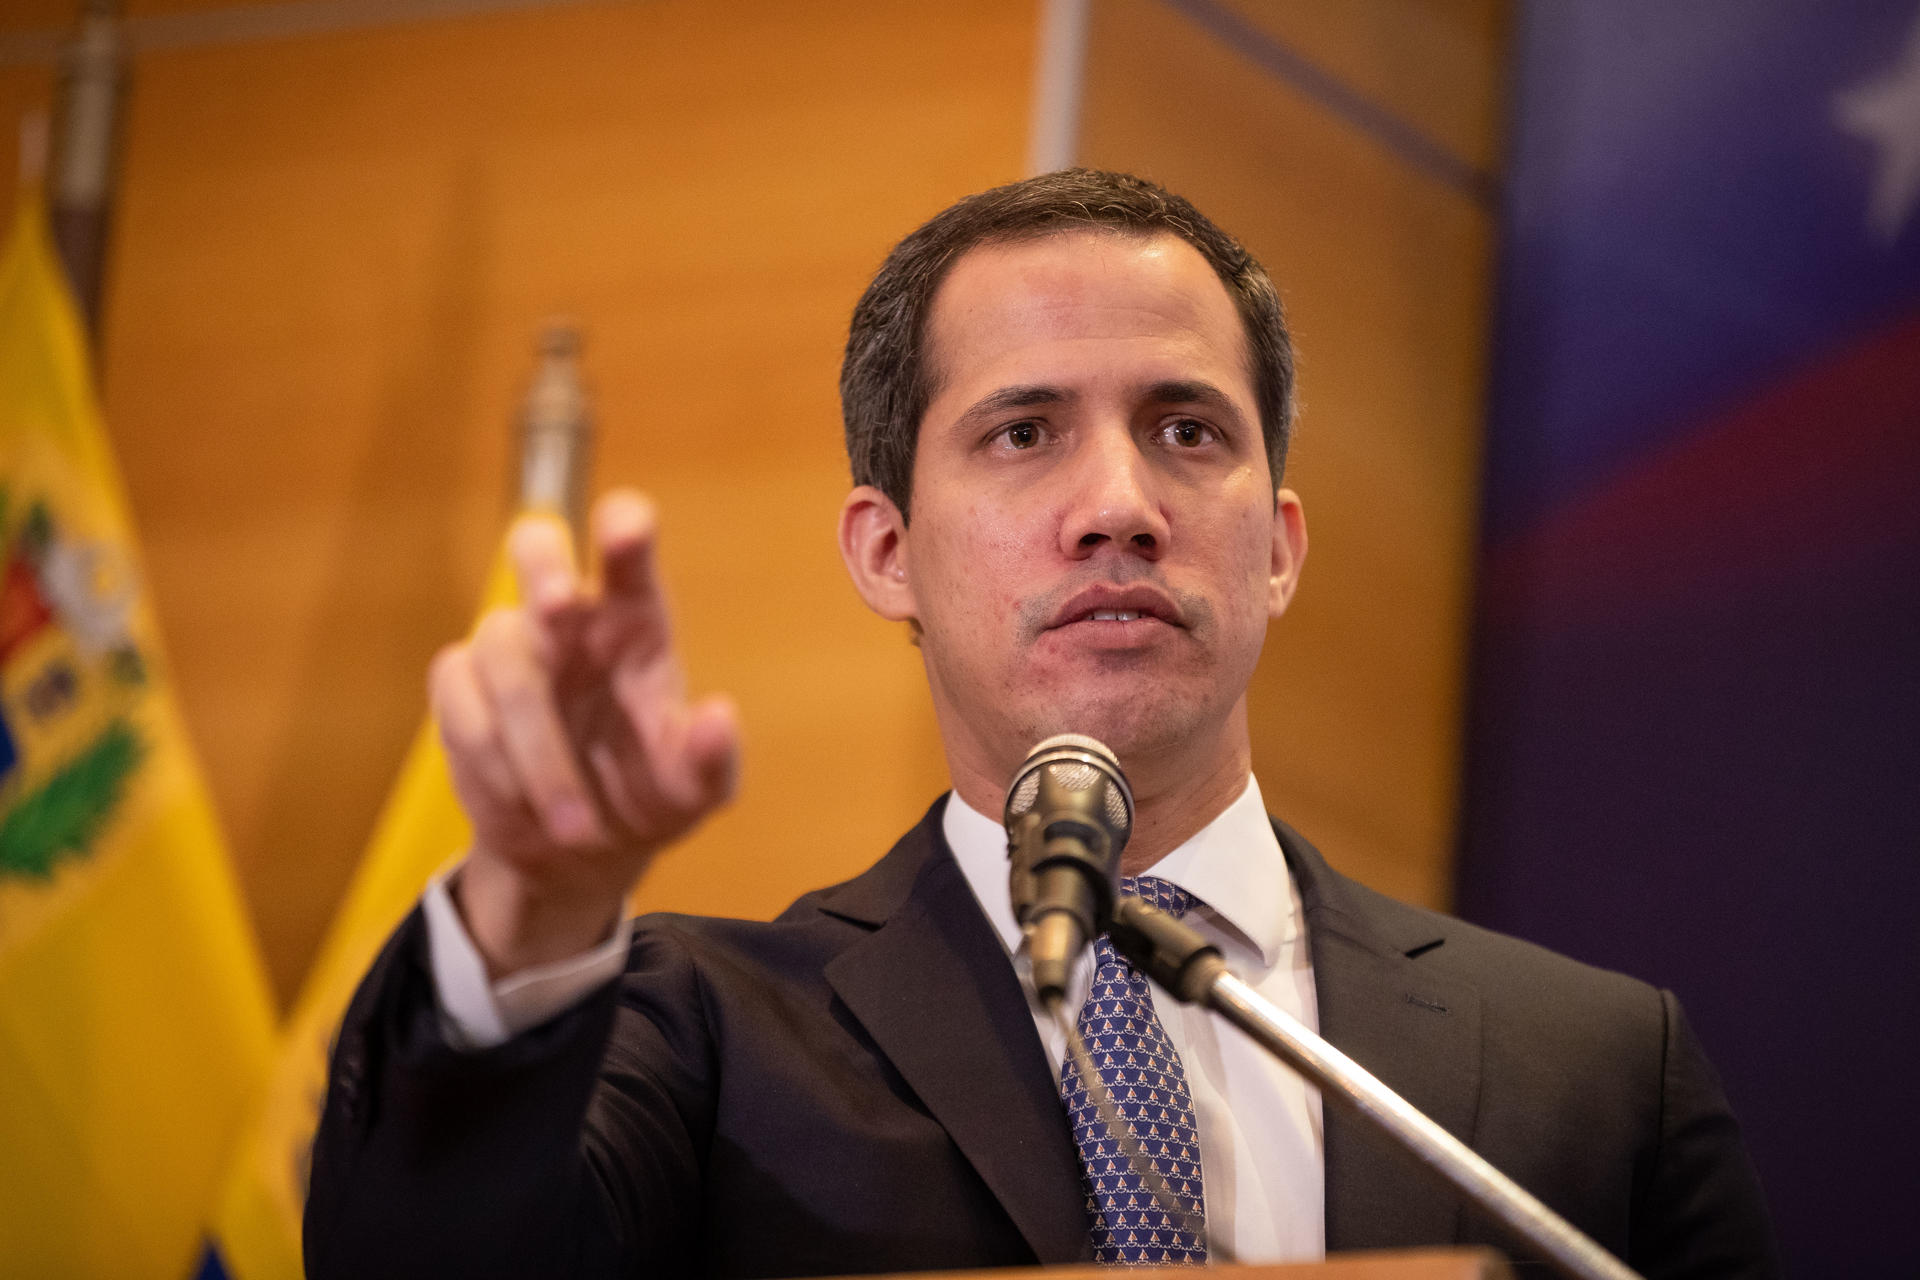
(624, 529)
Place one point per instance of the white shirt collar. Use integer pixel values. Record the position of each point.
(1233, 865)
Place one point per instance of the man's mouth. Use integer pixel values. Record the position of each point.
(1117, 604)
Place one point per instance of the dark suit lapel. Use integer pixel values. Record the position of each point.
(1418, 1033)
(932, 985)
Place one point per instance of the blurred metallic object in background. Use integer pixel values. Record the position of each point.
(556, 431)
(93, 80)
(1059, 76)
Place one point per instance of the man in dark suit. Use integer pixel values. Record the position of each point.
(1067, 407)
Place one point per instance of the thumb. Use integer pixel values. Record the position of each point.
(713, 749)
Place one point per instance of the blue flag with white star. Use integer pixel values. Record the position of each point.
(1694, 744)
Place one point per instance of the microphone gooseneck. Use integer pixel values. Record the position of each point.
(1069, 812)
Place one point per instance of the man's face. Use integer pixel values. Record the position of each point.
(1095, 545)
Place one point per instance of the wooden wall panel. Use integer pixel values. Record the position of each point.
(1356, 707)
(1437, 64)
(22, 90)
(26, 16)
(331, 259)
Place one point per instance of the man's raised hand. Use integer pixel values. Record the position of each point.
(571, 742)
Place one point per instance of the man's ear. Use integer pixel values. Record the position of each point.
(873, 542)
(1289, 550)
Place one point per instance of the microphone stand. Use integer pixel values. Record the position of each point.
(1186, 965)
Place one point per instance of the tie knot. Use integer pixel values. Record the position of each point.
(1164, 894)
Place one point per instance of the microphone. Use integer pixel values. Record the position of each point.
(1068, 815)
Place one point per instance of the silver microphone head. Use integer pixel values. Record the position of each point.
(1069, 813)
(1073, 762)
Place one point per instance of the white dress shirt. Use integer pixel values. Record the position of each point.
(1261, 1156)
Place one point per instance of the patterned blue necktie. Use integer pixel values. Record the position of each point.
(1143, 1075)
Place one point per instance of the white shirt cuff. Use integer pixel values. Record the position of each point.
(477, 1014)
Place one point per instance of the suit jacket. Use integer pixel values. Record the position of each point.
(857, 1086)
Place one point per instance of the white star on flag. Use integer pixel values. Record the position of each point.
(1886, 112)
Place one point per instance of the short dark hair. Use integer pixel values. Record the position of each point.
(885, 382)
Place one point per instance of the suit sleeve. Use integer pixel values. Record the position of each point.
(1699, 1207)
(573, 1149)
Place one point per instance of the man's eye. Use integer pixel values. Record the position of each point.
(1188, 433)
(1023, 435)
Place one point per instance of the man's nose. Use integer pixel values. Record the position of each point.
(1114, 499)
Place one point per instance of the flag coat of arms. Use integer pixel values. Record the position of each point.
(135, 1021)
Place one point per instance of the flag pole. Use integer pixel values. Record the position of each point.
(93, 80)
(556, 431)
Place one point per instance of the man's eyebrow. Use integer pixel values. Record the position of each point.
(1005, 398)
(1185, 392)
(1169, 392)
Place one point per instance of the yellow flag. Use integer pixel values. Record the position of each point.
(135, 1022)
(421, 828)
